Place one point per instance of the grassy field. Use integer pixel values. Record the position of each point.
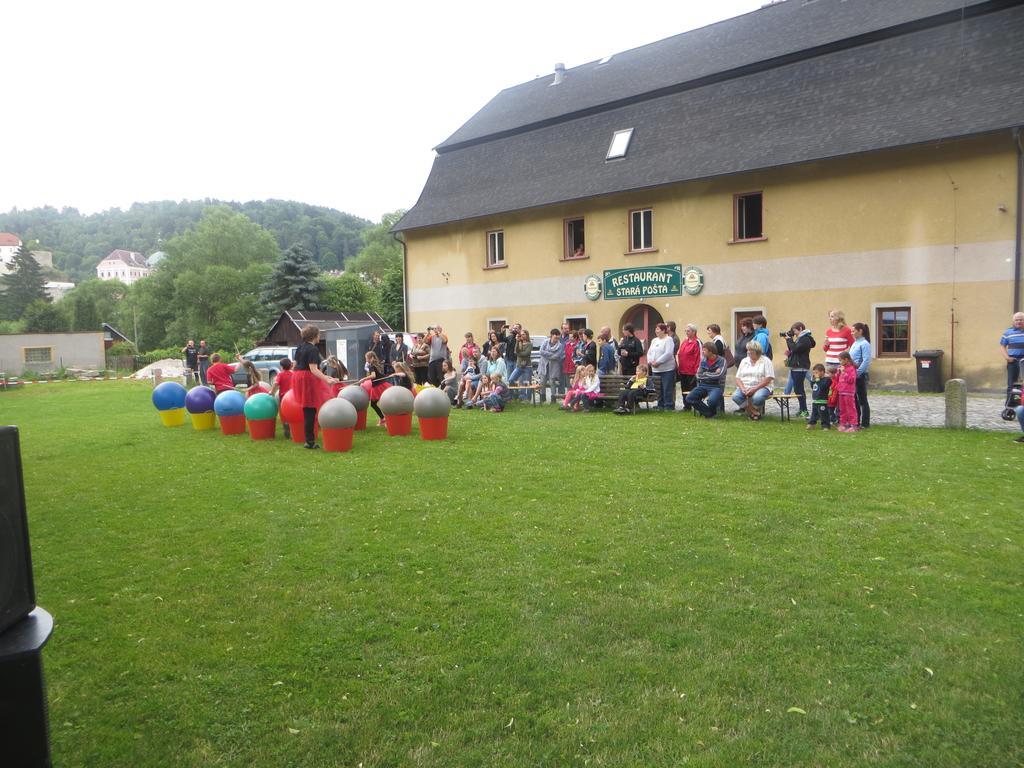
(541, 589)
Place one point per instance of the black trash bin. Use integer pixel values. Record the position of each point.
(929, 370)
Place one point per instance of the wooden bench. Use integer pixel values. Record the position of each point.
(532, 389)
(783, 401)
(695, 412)
(612, 385)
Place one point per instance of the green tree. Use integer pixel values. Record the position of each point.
(348, 293)
(43, 317)
(23, 285)
(295, 283)
(79, 242)
(221, 237)
(392, 299)
(208, 286)
(94, 302)
(380, 252)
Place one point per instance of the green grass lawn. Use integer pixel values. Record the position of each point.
(542, 589)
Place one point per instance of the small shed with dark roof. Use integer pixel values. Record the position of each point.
(287, 331)
(112, 336)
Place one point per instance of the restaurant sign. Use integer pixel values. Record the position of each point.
(644, 282)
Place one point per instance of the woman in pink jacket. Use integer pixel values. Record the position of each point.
(688, 361)
(846, 385)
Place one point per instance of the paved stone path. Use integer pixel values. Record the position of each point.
(912, 410)
(915, 410)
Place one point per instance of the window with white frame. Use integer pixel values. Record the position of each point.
(619, 144)
(641, 231)
(496, 248)
(748, 220)
(575, 248)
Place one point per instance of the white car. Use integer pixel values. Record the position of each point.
(267, 361)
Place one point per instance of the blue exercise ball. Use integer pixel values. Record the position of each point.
(229, 403)
(169, 395)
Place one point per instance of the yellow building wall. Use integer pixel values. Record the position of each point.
(929, 227)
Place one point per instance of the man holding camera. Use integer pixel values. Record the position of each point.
(191, 362)
(509, 335)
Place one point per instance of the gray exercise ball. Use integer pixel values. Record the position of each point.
(431, 403)
(357, 396)
(395, 400)
(337, 413)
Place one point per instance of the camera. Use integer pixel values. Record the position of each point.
(786, 334)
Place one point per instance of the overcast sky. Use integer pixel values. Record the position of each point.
(330, 103)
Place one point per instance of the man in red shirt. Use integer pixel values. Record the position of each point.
(219, 374)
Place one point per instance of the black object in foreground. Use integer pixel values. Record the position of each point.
(24, 629)
(24, 719)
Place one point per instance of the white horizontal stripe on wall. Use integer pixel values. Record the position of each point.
(926, 265)
(515, 293)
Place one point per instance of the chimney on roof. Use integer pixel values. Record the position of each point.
(559, 73)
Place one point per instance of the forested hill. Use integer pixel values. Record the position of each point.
(80, 242)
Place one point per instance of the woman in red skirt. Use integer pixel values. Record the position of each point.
(310, 385)
(373, 382)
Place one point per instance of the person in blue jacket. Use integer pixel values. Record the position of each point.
(761, 335)
(860, 353)
(606, 361)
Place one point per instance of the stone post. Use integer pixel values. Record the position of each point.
(956, 404)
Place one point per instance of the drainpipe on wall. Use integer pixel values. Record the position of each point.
(405, 286)
(1017, 139)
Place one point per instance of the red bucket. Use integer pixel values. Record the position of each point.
(298, 429)
(361, 419)
(434, 429)
(398, 424)
(232, 425)
(339, 440)
(262, 429)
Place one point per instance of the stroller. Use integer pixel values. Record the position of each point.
(1014, 398)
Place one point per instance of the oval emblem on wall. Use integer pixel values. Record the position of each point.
(693, 280)
(592, 287)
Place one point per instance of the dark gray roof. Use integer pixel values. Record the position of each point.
(757, 38)
(934, 83)
(107, 327)
(330, 321)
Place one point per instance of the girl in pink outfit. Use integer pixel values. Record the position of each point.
(587, 392)
(846, 385)
(575, 388)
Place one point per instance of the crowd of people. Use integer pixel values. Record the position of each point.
(572, 361)
(570, 364)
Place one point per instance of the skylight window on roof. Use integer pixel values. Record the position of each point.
(619, 145)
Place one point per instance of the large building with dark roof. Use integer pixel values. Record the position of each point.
(863, 155)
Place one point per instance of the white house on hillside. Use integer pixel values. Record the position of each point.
(9, 245)
(126, 266)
